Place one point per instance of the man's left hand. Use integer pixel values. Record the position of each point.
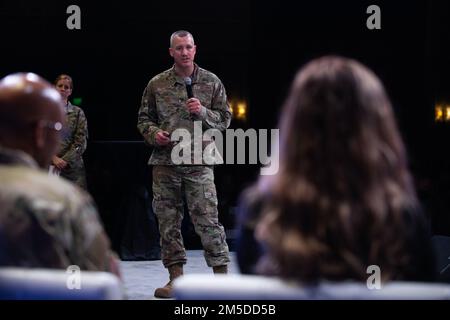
(194, 106)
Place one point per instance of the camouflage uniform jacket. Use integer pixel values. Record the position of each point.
(46, 222)
(75, 138)
(163, 107)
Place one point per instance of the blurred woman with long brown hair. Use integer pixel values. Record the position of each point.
(343, 198)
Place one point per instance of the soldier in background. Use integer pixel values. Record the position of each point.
(166, 107)
(45, 222)
(69, 160)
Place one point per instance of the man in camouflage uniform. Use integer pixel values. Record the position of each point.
(69, 159)
(45, 222)
(166, 107)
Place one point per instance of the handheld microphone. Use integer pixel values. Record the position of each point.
(188, 83)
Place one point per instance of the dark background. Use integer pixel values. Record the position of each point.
(255, 48)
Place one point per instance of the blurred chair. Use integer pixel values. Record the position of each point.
(55, 284)
(250, 287)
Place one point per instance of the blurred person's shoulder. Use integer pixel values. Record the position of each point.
(24, 190)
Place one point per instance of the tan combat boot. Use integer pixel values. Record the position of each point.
(175, 271)
(220, 269)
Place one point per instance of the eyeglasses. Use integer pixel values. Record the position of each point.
(57, 126)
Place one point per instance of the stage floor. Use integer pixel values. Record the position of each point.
(141, 278)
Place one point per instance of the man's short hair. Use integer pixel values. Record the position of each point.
(181, 34)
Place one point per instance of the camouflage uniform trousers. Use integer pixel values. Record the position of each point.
(197, 182)
(76, 173)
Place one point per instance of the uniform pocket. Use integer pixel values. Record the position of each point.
(204, 92)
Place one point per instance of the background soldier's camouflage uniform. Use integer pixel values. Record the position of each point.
(163, 107)
(44, 221)
(73, 146)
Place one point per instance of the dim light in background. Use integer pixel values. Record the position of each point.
(238, 109)
(442, 112)
(438, 113)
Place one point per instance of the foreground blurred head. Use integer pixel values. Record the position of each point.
(338, 201)
(31, 116)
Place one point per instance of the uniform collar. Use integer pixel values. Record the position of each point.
(178, 79)
(69, 107)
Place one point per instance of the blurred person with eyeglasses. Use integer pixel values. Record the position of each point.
(45, 221)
